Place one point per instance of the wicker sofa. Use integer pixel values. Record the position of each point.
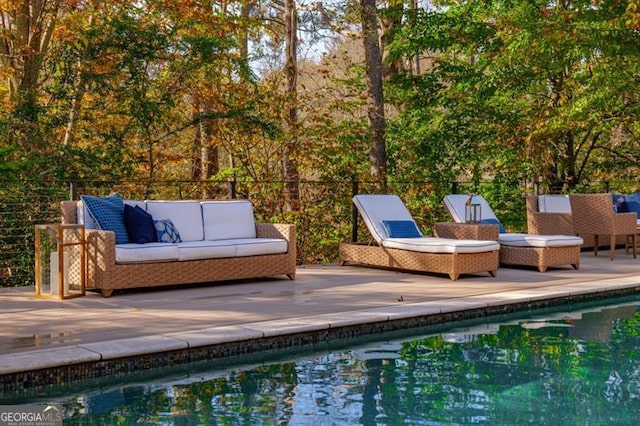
(219, 241)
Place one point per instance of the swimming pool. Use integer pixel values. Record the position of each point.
(579, 366)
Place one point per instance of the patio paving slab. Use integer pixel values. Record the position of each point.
(40, 333)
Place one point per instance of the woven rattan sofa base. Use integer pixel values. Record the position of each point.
(105, 275)
(540, 257)
(452, 264)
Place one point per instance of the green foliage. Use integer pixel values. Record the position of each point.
(532, 89)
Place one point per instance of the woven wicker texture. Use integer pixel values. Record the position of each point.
(593, 215)
(540, 223)
(541, 258)
(556, 223)
(106, 275)
(466, 231)
(451, 264)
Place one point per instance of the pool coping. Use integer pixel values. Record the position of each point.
(31, 369)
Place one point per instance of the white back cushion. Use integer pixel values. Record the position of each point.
(223, 220)
(554, 204)
(185, 215)
(374, 208)
(455, 204)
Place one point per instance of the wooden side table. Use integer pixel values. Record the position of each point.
(466, 231)
(61, 261)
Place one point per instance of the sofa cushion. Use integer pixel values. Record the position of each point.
(554, 204)
(139, 225)
(166, 231)
(194, 250)
(185, 215)
(259, 246)
(531, 240)
(108, 215)
(152, 252)
(223, 220)
(401, 228)
(441, 245)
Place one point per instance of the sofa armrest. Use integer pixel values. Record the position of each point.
(277, 230)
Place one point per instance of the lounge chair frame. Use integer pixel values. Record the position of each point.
(452, 264)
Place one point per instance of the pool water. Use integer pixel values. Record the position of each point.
(579, 367)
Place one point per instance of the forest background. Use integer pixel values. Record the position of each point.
(299, 104)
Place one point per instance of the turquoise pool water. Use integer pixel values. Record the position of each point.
(578, 367)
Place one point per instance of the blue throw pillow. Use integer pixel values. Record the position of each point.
(401, 229)
(108, 214)
(620, 204)
(166, 231)
(634, 206)
(501, 228)
(139, 225)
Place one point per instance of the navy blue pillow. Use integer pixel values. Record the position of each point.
(139, 225)
(501, 228)
(401, 229)
(620, 204)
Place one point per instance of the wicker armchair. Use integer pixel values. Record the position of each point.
(593, 214)
(548, 221)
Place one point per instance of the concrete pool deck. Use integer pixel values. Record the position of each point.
(42, 341)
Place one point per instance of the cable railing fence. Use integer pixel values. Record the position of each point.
(324, 214)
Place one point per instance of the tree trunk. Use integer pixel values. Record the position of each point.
(375, 97)
(290, 164)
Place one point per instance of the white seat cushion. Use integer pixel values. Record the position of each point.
(374, 208)
(441, 245)
(223, 220)
(530, 240)
(554, 204)
(150, 252)
(259, 246)
(194, 250)
(185, 215)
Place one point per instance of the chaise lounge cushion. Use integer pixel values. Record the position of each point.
(376, 209)
(441, 245)
(531, 240)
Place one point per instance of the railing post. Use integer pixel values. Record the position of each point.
(232, 185)
(73, 191)
(354, 212)
(454, 187)
(607, 186)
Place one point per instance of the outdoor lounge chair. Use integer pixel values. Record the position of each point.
(399, 244)
(517, 249)
(593, 214)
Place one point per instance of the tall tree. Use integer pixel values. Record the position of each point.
(290, 162)
(532, 89)
(373, 64)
